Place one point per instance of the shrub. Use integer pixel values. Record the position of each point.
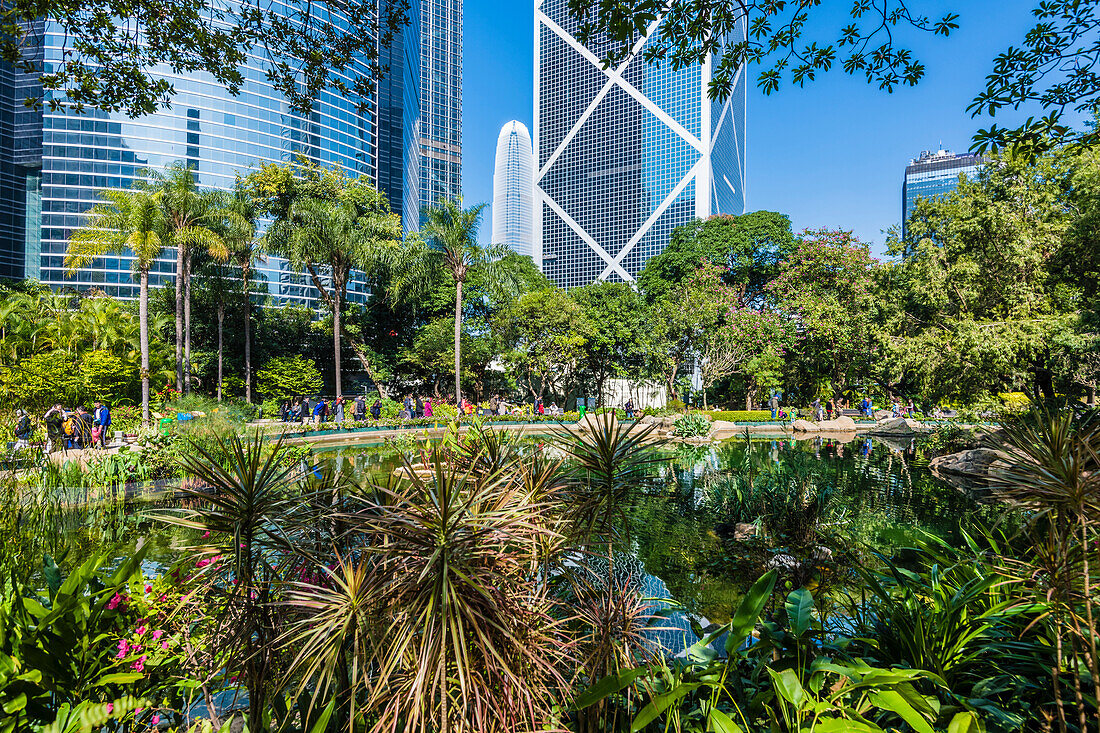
(287, 376)
(39, 381)
(106, 377)
(741, 415)
(676, 406)
(692, 425)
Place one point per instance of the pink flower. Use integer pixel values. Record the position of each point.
(206, 534)
(155, 720)
(115, 602)
(140, 630)
(139, 665)
(148, 588)
(164, 645)
(157, 634)
(202, 563)
(110, 708)
(123, 649)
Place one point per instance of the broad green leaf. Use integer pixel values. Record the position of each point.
(842, 725)
(722, 723)
(609, 685)
(965, 722)
(120, 678)
(16, 704)
(749, 611)
(893, 701)
(661, 703)
(800, 611)
(787, 685)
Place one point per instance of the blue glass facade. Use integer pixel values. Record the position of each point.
(934, 174)
(221, 136)
(624, 155)
(399, 123)
(440, 101)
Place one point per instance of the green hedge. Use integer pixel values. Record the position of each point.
(741, 415)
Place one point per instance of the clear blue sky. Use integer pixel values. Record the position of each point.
(832, 154)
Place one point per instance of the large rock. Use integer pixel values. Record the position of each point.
(720, 426)
(968, 469)
(883, 415)
(649, 420)
(899, 426)
(804, 426)
(843, 424)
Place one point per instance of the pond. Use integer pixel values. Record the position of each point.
(687, 524)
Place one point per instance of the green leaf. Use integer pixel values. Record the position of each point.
(322, 722)
(893, 701)
(722, 723)
(800, 611)
(965, 722)
(749, 611)
(661, 703)
(845, 725)
(787, 685)
(120, 678)
(609, 685)
(16, 704)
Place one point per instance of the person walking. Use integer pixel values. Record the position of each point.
(494, 404)
(774, 404)
(408, 407)
(419, 408)
(376, 409)
(319, 411)
(629, 407)
(339, 410)
(819, 414)
(102, 422)
(23, 430)
(360, 408)
(428, 407)
(307, 410)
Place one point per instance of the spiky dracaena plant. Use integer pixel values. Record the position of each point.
(610, 461)
(1052, 468)
(443, 621)
(244, 502)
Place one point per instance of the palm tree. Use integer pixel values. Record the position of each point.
(193, 217)
(329, 238)
(126, 220)
(244, 248)
(451, 233)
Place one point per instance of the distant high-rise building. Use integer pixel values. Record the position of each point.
(399, 122)
(625, 154)
(513, 189)
(934, 174)
(440, 101)
(53, 163)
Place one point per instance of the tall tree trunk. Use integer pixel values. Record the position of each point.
(361, 355)
(179, 317)
(458, 342)
(1092, 395)
(245, 273)
(143, 321)
(336, 325)
(187, 323)
(221, 328)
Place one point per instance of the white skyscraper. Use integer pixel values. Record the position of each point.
(513, 191)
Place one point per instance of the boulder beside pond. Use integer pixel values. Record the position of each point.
(720, 426)
(842, 424)
(968, 469)
(804, 426)
(899, 426)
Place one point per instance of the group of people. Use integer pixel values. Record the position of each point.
(319, 410)
(66, 428)
(416, 408)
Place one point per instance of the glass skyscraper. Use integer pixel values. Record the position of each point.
(440, 101)
(513, 188)
(934, 174)
(624, 155)
(62, 159)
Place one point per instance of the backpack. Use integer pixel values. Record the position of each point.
(69, 426)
